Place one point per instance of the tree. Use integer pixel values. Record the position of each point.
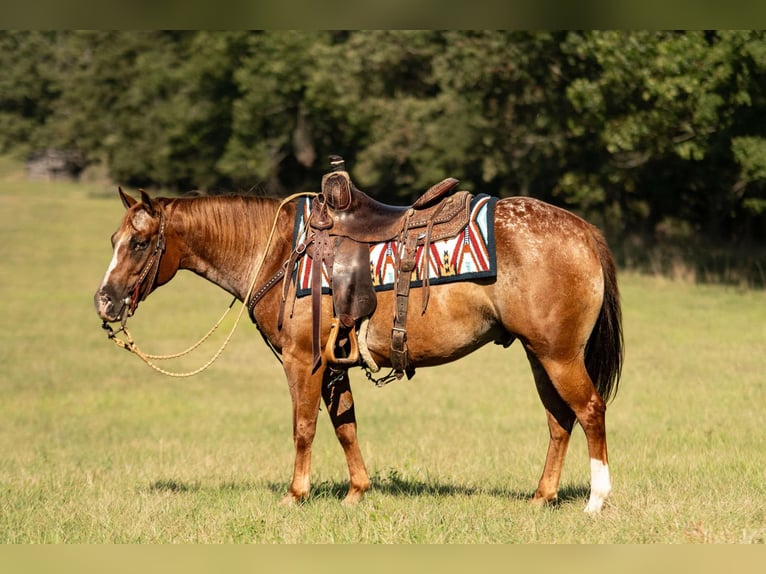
(155, 107)
(656, 112)
(28, 88)
(271, 139)
(642, 132)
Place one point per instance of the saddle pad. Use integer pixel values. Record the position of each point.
(469, 255)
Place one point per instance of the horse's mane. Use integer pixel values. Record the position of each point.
(234, 221)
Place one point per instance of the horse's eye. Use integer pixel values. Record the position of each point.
(140, 244)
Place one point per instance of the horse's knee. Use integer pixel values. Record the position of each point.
(346, 435)
(303, 434)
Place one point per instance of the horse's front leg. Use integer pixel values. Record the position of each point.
(336, 392)
(305, 390)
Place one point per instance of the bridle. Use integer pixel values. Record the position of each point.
(141, 288)
(146, 279)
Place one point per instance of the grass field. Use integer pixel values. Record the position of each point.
(97, 448)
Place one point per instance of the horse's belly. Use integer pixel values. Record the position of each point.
(459, 319)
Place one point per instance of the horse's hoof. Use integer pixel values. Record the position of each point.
(594, 506)
(289, 500)
(352, 498)
(538, 501)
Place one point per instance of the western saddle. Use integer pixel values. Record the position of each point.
(343, 223)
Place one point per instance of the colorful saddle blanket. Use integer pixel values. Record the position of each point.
(469, 255)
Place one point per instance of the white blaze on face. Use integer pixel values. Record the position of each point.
(115, 260)
(141, 219)
(600, 486)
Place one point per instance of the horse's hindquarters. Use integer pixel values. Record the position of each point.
(550, 285)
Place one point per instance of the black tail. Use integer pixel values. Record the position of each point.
(605, 348)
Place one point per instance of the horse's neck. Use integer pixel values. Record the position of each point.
(224, 238)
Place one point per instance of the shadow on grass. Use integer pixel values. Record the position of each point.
(392, 484)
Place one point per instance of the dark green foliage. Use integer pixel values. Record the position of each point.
(660, 134)
(29, 86)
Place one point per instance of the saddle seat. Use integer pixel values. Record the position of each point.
(356, 215)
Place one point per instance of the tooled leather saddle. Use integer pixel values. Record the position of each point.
(343, 223)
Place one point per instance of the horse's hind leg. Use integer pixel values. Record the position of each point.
(561, 419)
(336, 392)
(574, 386)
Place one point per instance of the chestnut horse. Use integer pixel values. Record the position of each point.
(555, 291)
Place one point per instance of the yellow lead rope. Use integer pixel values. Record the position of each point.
(130, 345)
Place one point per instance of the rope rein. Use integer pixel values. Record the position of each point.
(130, 345)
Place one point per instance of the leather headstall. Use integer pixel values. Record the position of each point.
(141, 288)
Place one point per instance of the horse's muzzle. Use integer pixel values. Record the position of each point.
(109, 307)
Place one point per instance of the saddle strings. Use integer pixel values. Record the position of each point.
(130, 345)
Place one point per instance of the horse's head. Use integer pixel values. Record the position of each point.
(138, 263)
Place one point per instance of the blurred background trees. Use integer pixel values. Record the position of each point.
(657, 135)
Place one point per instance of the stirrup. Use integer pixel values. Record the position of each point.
(353, 354)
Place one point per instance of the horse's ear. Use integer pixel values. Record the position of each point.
(147, 201)
(127, 201)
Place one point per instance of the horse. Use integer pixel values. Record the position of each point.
(555, 291)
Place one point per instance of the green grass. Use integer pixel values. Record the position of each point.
(98, 448)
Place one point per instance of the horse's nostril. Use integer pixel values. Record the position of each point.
(102, 299)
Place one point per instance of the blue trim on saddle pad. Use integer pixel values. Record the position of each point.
(468, 256)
